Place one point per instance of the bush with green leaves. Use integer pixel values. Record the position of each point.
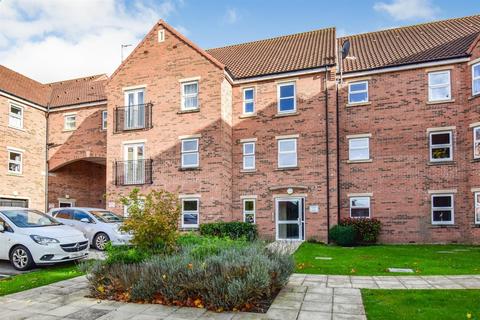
(233, 230)
(126, 254)
(234, 276)
(153, 219)
(344, 236)
(367, 229)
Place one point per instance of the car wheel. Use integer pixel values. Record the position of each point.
(21, 259)
(100, 241)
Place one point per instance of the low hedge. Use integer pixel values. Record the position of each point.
(367, 229)
(232, 230)
(344, 236)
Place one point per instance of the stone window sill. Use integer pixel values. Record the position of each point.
(358, 104)
(11, 174)
(444, 226)
(188, 229)
(287, 169)
(68, 130)
(19, 129)
(248, 170)
(440, 101)
(243, 116)
(189, 169)
(442, 163)
(286, 114)
(188, 111)
(475, 160)
(474, 96)
(360, 161)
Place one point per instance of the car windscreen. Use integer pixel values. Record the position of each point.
(29, 218)
(106, 216)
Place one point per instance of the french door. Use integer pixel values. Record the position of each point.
(134, 163)
(135, 109)
(290, 218)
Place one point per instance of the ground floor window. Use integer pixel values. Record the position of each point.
(249, 210)
(360, 207)
(442, 209)
(66, 203)
(11, 202)
(190, 213)
(477, 207)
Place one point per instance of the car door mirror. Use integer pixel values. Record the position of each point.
(2, 227)
(85, 220)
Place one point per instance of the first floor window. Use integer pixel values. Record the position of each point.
(190, 95)
(249, 210)
(286, 97)
(441, 146)
(104, 120)
(249, 155)
(14, 162)
(476, 79)
(477, 207)
(360, 207)
(287, 153)
(358, 92)
(359, 149)
(15, 117)
(439, 86)
(442, 209)
(190, 154)
(70, 122)
(248, 101)
(190, 213)
(134, 117)
(476, 142)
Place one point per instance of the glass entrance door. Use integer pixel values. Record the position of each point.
(290, 218)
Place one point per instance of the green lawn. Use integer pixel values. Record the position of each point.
(38, 278)
(374, 260)
(421, 304)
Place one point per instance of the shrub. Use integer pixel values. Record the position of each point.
(244, 277)
(125, 254)
(343, 235)
(233, 230)
(153, 219)
(367, 229)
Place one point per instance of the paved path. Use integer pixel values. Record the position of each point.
(306, 297)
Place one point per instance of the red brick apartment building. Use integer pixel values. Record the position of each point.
(281, 132)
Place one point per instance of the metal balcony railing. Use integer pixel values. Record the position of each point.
(134, 117)
(136, 172)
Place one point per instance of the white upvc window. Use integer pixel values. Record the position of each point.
(70, 122)
(104, 119)
(189, 95)
(360, 207)
(476, 143)
(358, 149)
(15, 117)
(358, 92)
(249, 210)
(477, 207)
(190, 153)
(15, 161)
(441, 146)
(439, 87)
(286, 97)
(249, 155)
(134, 112)
(476, 79)
(287, 153)
(190, 213)
(442, 209)
(248, 101)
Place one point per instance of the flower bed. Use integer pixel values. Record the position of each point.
(216, 274)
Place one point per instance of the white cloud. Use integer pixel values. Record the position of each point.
(231, 16)
(51, 40)
(408, 9)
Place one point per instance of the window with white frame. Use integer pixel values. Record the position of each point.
(439, 88)
(70, 122)
(359, 149)
(287, 153)
(358, 92)
(286, 97)
(249, 210)
(476, 143)
(104, 119)
(134, 117)
(15, 117)
(15, 164)
(190, 213)
(442, 209)
(477, 207)
(190, 95)
(248, 101)
(190, 154)
(476, 79)
(441, 146)
(360, 207)
(249, 155)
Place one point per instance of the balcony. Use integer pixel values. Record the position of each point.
(130, 173)
(133, 117)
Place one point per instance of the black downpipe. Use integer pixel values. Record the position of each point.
(338, 158)
(327, 156)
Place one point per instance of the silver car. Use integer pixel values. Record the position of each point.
(99, 226)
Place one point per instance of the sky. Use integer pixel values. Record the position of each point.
(53, 40)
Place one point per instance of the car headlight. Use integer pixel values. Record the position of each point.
(43, 240)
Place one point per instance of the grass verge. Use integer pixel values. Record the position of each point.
(375, 260)
(421, 304)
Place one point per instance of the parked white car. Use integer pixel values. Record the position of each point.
(100, 226)
(30, 237)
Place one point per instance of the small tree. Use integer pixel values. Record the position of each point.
(152, 219)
